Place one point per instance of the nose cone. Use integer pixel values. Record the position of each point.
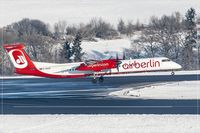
(178, 66)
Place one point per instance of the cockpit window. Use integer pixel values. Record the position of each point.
(166, 60)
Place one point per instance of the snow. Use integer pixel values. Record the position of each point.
(105, 48)
(106, 45)
(83, 10)
(99, 123)
(173, 90)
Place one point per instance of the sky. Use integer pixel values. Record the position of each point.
(76, 11)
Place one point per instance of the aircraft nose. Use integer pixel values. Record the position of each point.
(178, 66)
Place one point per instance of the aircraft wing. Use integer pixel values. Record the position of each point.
(91, 62)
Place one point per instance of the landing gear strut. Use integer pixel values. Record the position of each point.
(94, 80)
(172, 73)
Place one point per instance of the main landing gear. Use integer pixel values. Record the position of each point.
(100, 79)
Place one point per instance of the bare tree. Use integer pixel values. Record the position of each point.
(6, 37)
(60, 29)
(130, 29)
(169, 32)
(87, 32)
(103, 29)
(149, 41)
(71, 30)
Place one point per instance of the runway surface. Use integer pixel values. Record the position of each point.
(80, 96)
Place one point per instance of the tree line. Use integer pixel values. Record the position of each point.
(173, 36)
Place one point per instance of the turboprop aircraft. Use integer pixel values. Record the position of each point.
(95, 68)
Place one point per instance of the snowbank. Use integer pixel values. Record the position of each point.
(175, 90)
(105, 48)
(99, 123)
(106, 45)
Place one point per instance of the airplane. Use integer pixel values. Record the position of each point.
(95, 68)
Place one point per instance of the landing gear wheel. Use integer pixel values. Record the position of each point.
(172, 73)
(94, 80)
(101, 79)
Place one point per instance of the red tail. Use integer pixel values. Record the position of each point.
(19, 58)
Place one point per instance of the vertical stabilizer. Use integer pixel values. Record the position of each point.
(19, 58)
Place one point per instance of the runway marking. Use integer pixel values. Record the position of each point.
(104, 106)
(93, 106)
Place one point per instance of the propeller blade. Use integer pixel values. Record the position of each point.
(124, 55)
(118, 62)
(118, 68)
(111, 57)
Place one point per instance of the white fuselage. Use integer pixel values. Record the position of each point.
(127, 66)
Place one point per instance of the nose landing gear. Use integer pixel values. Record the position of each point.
(172, 73)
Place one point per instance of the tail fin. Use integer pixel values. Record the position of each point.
(19, 58)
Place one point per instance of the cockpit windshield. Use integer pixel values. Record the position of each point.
(166, 60)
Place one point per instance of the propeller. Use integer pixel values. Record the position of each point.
(124, 55)
(118, 62)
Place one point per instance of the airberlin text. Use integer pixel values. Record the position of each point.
(137, 65)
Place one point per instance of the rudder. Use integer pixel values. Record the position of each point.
(19, 58)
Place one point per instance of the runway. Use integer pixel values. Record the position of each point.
(80, 96)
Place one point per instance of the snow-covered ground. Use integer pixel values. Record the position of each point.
(99, 123)
(173, 90)
(105, 48)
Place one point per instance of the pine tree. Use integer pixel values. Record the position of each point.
(190, 38)
(67, 51)
(121, 27)
(76, 48)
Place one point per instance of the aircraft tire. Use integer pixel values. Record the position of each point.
(101, 79)
(172, 73)
(94, 80)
